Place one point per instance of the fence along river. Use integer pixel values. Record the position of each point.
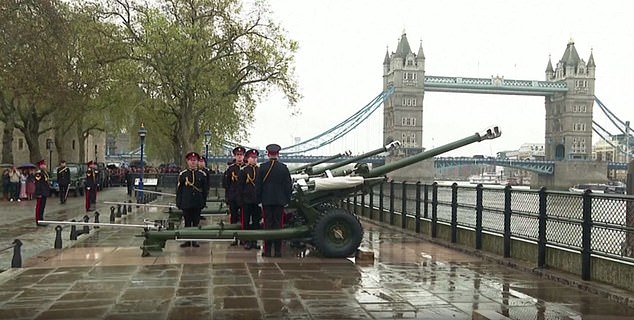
(564, 213)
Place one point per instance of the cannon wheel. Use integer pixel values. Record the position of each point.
(337, 233)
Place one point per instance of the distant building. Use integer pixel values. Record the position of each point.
(615, 150)
(527, 151)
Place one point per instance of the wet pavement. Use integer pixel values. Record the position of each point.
(17, 221)
(103, 276)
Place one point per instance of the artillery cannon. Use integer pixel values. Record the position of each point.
(314, 216)
(307, 168)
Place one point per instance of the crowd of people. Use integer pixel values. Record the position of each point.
(18, 184)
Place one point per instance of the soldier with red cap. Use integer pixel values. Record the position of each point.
(251, 213)
(42, 191)
(273, 187)
(91, 186)
(63, 180)
(230, 184)
(191, 194)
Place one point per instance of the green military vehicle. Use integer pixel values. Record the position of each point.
(77, 179)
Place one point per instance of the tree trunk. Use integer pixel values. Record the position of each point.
(7, 139)
(31, 136)
(59, 145)
(81, 141)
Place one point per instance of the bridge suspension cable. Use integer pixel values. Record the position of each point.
(613, 119)
(337, 131)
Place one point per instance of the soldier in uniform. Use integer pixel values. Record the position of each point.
(91, 186)
(202, 165)
(273, 187)
(63, 180)
(42, 191)
(251, 213)
(191, 193)
(230, 184)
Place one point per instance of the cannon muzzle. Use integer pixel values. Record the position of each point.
(488, 134)
(308, 167)
(390, 146)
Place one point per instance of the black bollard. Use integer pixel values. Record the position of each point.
(125, 210)
(129, 205)
(58, 237)
(16, 262)
(96, 218)
(73, 231)
(118, 211)
(86, 228)
(112, 214)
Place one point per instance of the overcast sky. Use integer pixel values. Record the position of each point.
(343, 43)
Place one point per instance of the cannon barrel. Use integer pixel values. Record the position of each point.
(309, 166)
(491, 133)
(387, 147)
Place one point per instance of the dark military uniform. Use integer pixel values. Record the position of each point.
(251, 213)
(191, 196)
(42, 191)
(230, 184)
(273, 187)
(91, 188)
(63, 181)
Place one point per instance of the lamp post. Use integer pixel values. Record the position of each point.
(49, 147)
(207, 140)
(142, 133)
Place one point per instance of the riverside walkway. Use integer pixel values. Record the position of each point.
(103, 276)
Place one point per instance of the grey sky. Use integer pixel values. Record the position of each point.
(343, 43)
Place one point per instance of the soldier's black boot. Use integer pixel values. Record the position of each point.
(278, 247)
(195, 244)
(267, 248)
(186, 244)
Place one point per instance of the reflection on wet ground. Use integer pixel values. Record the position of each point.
(104, 277)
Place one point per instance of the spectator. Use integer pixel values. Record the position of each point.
(23, 176)
(14, 185)
(30, 184)
(6, 183)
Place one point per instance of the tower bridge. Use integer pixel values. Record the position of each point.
(568, 91)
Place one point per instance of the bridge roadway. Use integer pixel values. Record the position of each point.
(102, 276)
(546, 167)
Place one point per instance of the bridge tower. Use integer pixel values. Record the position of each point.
(569, 114)
(568, 134)
(403, 111)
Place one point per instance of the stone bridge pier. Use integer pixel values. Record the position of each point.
(568, 173)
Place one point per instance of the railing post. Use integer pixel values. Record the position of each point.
(404, 206)
(434, 209)
(354, 203)
(454, 212)
(507, 221)
(381, 195)
(478, 222)
(371, 203)
(586, 232)
(417, 215)
(73, 231)
(16, 261)
(541, 231)
(392, 202)
(426, 201)
(362, 205)
(58, 237)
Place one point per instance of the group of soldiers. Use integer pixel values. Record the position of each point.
(43, 187)
(253, 192)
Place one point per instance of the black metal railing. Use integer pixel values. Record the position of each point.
(589, 223)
